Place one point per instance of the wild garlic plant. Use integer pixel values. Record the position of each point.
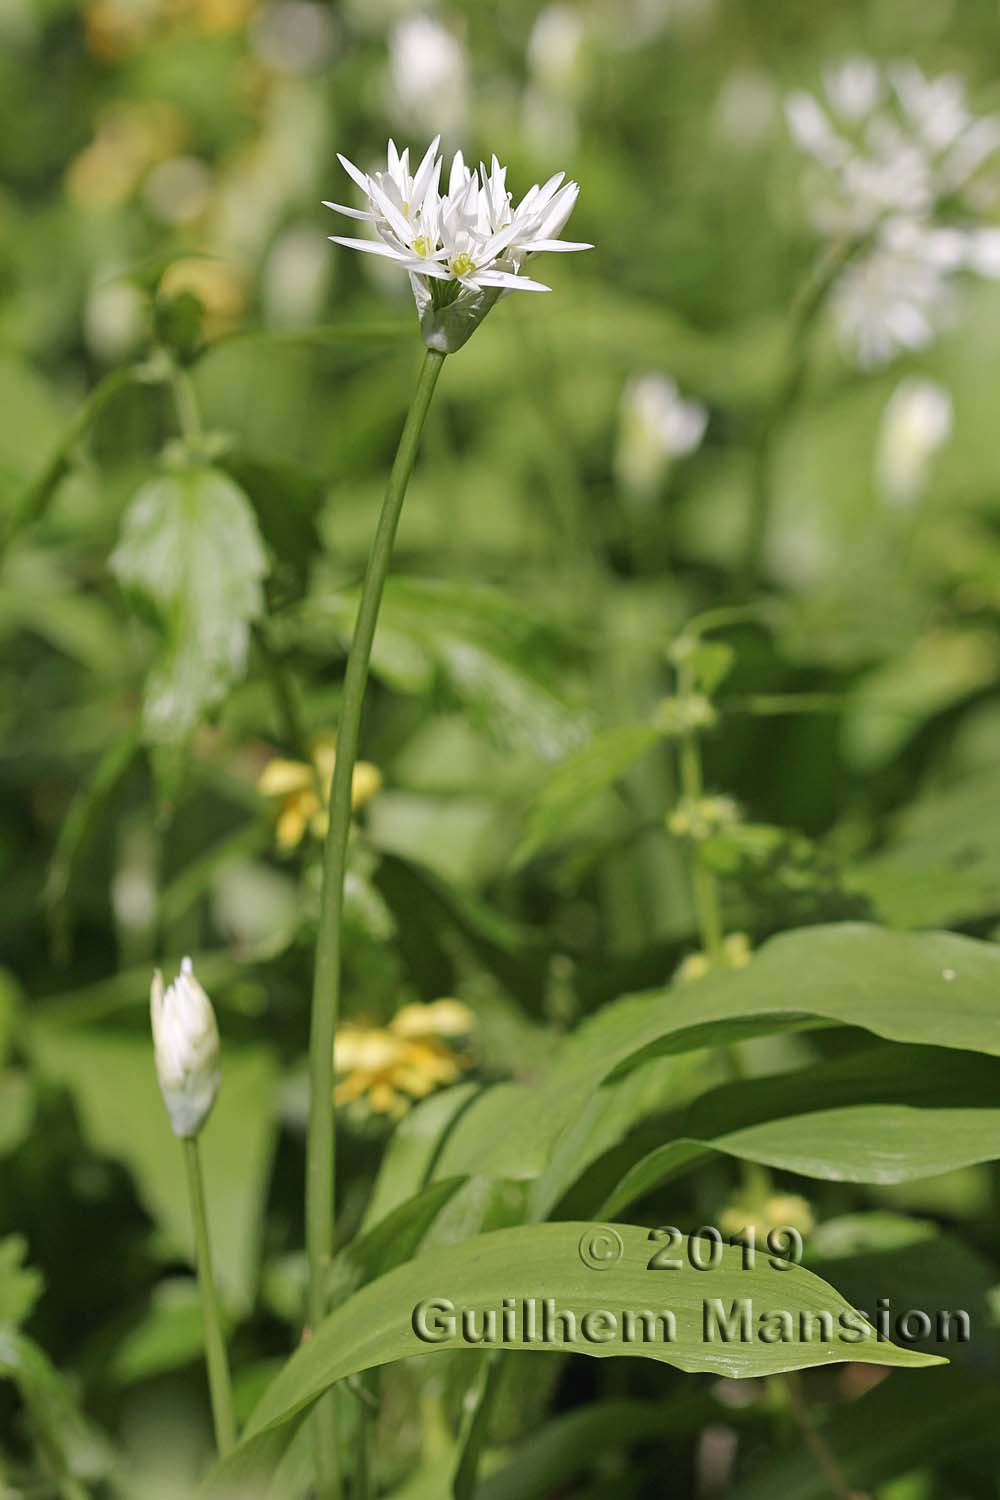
(463, 250)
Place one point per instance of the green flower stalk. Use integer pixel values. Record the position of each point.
(186, 1050)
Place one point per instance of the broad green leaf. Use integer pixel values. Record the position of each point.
(112, 1079)
(543, 1261)
(941, 864)
(889, 1115)
(908, 1422)
(191, 549)
(935, 989)
(395, 1238)
(579, 780)
(942, 668)
(414, 1150)
(568, 1446)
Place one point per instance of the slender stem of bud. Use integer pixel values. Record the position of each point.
(219, 1384)
(326, 984)
(704, 886)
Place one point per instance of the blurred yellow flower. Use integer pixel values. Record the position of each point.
(210, 17)
(406, 1060)
(303, 791)
(777, 1211)
(219, 285)
(117, 29)
(131, 137)
(736, 954)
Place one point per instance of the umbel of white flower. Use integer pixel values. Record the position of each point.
(186, 1046)
(464, 249)
(900, 167)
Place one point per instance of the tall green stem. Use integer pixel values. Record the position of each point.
(326, 984)
(215, 1349)
(704, 886)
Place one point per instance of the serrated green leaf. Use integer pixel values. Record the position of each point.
(191, 548)
(375, 1326)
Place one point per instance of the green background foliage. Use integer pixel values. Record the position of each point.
(199, 401)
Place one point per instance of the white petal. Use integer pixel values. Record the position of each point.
(537, 247)
(352, 213)
(373, 247)
(425, 172)
(360, 177)
(458, 177)
(506, 278)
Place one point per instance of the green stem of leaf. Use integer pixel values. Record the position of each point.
(34, 501)
(220, 1387)
(320, 1158)
(283, 691)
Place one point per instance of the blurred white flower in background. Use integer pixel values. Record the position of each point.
(916, 424)
(114, 318)
(747, 108)
(899, 295)
(295, 279)
(295, 36)
(555, 46)
(428, 75)
(555, 64)
(178, 191)
(889, 141)
(462, 249)
(656, 426)
(628, 24)
(897, 160)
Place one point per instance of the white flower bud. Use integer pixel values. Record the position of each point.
(186, 1046)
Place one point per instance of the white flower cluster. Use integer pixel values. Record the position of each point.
(465, 248)
(892, 149)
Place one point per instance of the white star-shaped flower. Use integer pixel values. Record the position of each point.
(462, 249)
